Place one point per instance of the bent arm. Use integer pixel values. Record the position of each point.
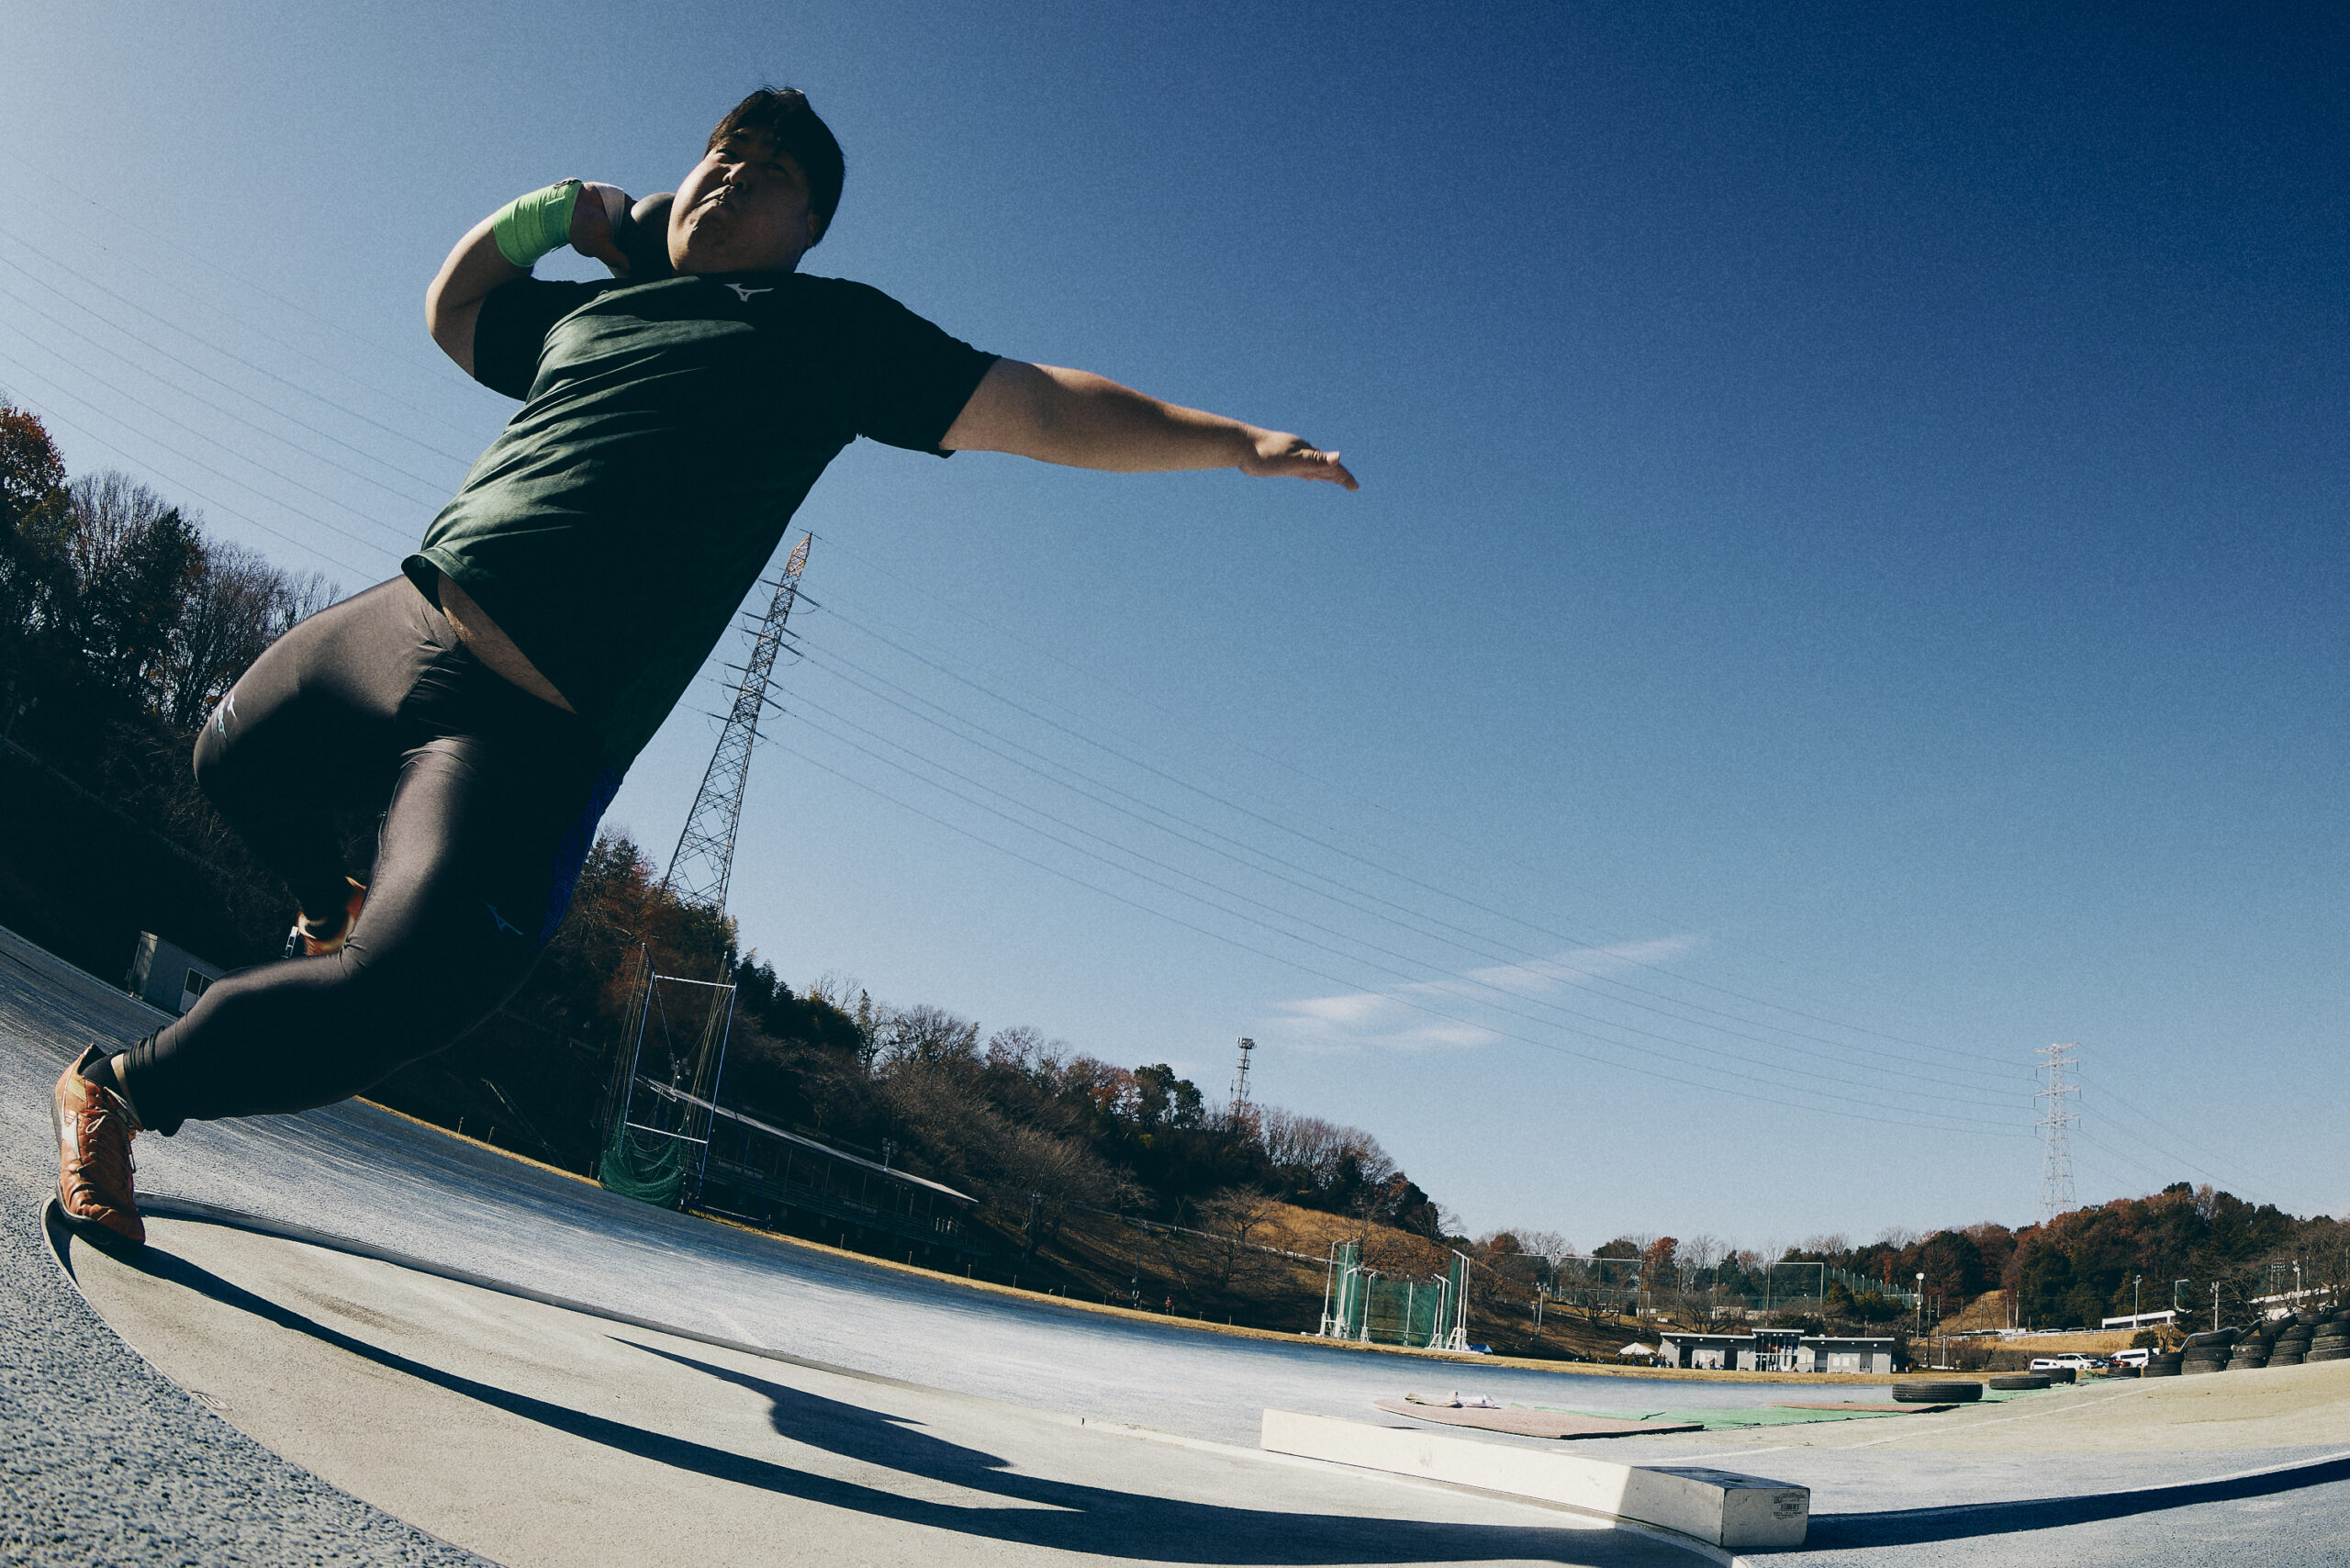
(1083, 421)
(477, 267)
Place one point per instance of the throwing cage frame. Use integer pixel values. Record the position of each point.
(658, 1143)
(1370, 1307)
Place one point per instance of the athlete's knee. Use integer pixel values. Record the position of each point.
(216, 761)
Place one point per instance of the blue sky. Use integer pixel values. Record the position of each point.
(1847, 587)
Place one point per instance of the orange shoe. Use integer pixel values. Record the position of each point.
(94, 1128)
(317, 938)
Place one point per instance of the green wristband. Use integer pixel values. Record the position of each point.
(529, 227)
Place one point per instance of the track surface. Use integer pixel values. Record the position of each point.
(118, 1465)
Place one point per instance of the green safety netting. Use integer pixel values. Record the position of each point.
(1390, 1311)
(1761, 1415)
(649, 1169)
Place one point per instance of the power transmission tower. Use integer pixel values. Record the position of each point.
(1240, 1078)
(704, 860)
(2056, 1163)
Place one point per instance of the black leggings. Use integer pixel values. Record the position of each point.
(490, 798)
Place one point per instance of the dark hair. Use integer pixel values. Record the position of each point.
(784, 114)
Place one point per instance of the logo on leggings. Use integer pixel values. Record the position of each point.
(223, 714)
(744, 294)
(503, 923)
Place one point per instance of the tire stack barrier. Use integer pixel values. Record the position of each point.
(2208, 1353)
(2011, 1382)
(2330, 1337)
(1957, 1391)
(2249, 1353)
(2292, 1342)
(2163, 1363)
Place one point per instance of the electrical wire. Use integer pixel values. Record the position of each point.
(1127, 695)
(383, 352)
(224, 413)
(272, 533)
(1324, 948)
(821, 659)
(1244, 810)
(228, 354)
(1699, 1086)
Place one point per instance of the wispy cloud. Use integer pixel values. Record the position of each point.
(1433, 1015)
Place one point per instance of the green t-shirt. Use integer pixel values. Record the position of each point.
(668, 431)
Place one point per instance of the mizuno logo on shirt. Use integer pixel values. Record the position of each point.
(744, 294)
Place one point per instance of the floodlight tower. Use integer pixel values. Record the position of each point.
(1240, 1077)
(704, 860)
(2056, 1163)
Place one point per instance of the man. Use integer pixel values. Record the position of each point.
(489, 700)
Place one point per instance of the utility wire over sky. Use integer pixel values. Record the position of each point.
(1723, 731)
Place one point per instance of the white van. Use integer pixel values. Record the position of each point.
(2133, 1357)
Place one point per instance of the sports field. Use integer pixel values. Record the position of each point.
(235, 1396)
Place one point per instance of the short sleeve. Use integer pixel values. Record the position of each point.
(904, 379)
(513, 328)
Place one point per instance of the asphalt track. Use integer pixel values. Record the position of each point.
(997, 1428)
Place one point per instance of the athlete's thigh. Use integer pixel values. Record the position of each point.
(312, 719)
(467, 868)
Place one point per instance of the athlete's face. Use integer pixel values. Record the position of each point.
(743, 209)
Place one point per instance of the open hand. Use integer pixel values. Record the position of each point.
(1280, 455)
(595, 221)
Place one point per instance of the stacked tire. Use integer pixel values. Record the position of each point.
(2209, 1353)
(2163, 1363)
(2293, 1341)
(2010, 1382)
(2249, 1353)
(1926, 1391)
(2331, 1341)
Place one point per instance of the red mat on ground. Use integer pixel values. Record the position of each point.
(1533, 1423)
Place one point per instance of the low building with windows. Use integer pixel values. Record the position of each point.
(167, 976)
(1774, 1350)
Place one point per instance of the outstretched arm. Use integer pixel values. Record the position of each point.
(1084, 420)
(453, 303)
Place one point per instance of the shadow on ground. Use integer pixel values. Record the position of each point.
(1034, 1511)
(1914, 1526)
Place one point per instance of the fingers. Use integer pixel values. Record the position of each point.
(1335, 471)
(1302, 462)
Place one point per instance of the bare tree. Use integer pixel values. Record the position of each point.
(924, 1034)
(1227, 1256)
(238, 607)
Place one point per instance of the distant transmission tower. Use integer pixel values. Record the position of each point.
(704, 860)
(1240, 1078)
(2056, 1165)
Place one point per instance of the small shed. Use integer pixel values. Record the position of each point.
(1828, 1355)
(167, 976)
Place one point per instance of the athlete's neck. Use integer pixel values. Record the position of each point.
(494, 647)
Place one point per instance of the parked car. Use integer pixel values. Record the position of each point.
(2133, 1357)
(2072, 1359)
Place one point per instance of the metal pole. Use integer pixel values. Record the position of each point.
(636, 1051)
(718, 1082)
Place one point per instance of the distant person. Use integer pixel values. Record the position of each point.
(489, 700)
